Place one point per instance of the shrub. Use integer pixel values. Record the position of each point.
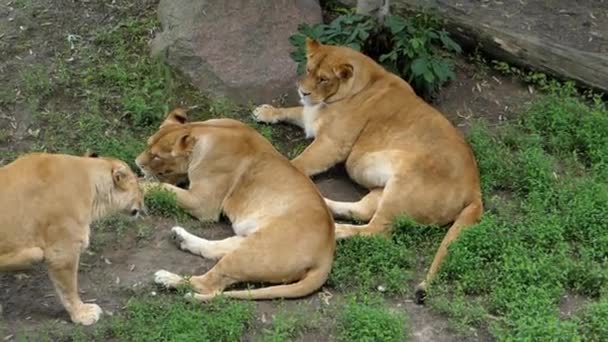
(413, 48)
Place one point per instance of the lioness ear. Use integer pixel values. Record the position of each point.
(311, 45)
(119, 175)
(344, 71)
(91, 154)
(183, 144)
(177, 116)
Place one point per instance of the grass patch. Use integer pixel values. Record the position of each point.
(367, 319)
(161, 319)
(371, 263)
(117, 94)
(161, 202)
(289, 325)
(365, 263)
(593, 321)
(546, 228)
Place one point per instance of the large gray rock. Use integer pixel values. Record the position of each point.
(234, 48)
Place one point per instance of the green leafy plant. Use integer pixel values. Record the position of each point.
(415, 47)
(351, 30)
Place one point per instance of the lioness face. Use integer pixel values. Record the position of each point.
(127, 194)
(159, 159)
(325, 75)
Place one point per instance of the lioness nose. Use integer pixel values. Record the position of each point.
(304, 93)
(134, 212)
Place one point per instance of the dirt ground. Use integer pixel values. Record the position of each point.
(111, 273)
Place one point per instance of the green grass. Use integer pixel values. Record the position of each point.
(373, 262)
(161, 319)
(288, 325)
(365, 263)
(116, 93)
(546, 230)
(369, 319)
(592, 324)
(163, 203)
(544, 233)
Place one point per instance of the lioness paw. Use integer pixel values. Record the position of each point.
(147, 186)
(343, 232)
(198, 297)
(167, 279)
(87, 314)
(265, 113)
(177, 234)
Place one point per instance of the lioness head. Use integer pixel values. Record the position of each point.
(329, 74)
(165, 157)
(126, 193)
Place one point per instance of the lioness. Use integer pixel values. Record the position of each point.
(410, 157)
(284, 231)
(47, 203)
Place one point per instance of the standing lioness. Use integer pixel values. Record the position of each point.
(47, 202)
(410, 157)
(284, 231)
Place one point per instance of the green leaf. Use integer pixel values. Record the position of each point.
(448, 43)
(395, 24)
(428, 76)
(420, 66)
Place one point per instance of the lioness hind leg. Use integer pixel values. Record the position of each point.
(363, 210)
(203, 247)
(392, 203)
(21, 260)
(208, 284)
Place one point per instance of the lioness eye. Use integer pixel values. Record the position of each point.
(322, 79)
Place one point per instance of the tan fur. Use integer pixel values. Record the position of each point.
(284, 231)
(412, 159)
(47, 203)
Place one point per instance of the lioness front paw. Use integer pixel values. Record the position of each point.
(147, 186)
(266, 113)
(179, 236)
(198, 297)
(167, 279)
(342, 232)
(86, 314)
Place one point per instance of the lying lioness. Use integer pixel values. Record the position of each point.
(413, 161)
(284, 231)
(47, 203)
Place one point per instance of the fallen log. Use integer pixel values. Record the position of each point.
(524, 49)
